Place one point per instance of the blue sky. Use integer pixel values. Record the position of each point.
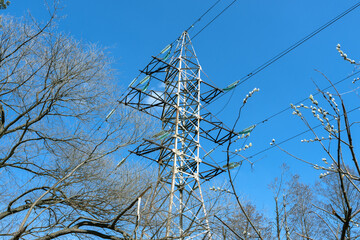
(244, 37)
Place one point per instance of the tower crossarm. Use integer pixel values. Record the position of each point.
(210, 94)
(144, 101)
(215, 131)
(159, 65)
(160, 152)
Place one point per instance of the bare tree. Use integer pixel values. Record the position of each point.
(332, 204)
(238, 222)
(296, 215)
(58, 155)
(336, 201)
(328, 209)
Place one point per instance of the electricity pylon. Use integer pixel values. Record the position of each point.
(185, 122)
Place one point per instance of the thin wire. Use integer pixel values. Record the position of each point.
(199, 19)
(292, 47)
(226, 104)
(297, 44)
(285, 109)
(212, 20)
(295, 136)
(314, 94)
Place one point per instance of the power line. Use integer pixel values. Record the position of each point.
(298, 102)
(314, 94)
(297, 44)
(289, 49)
(212, 20)
(285, 109)
(198, 20)
(295, 136)
(206, 12)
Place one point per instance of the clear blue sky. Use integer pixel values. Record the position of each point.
(244, 37)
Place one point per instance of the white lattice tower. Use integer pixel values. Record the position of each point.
(176, 148)
(183, 93)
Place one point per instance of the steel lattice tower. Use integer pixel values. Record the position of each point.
(183, 92)
(185, 121)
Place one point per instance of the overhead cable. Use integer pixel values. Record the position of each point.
(289, 49)
(206, 12)
(297, 44)
(314, 94)
(212, 20)
(295, 136)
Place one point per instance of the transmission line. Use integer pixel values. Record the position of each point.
(206, 12)
(297, 44)
(314, 94)
(289, 49)
(295, 136)
(212, 20)
(297, 103)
